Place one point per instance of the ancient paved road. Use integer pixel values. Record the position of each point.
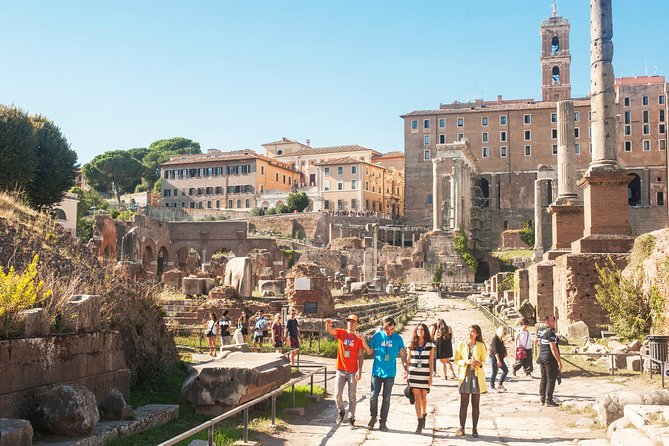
(511, 418)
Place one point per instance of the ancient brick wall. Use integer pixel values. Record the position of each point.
(541, 287)
(511, 240)
(31, 366)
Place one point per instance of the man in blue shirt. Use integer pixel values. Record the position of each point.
(385, 345)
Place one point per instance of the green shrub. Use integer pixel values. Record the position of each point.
(527, 233)
(462, 248)
(438, 273)
(506, 284)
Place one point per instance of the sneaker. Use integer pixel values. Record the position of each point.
(460, 432)
(543, 403)
(351, 421)
(340, 417)
(551, 404)
(383, 427)
(475, 433)
(501, 388)
(371, 423)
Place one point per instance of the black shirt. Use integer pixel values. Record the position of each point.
(225, 326)
(291, 325)
(497, 347)
(546, 336)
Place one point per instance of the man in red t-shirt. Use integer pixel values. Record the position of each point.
(350, 356)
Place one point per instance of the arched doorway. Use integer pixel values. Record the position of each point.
(147, 258)
(161, 261)
(634, 190)
(189, 259)
(482, 272)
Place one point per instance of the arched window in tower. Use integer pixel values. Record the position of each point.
(555, 75)
(555, 45)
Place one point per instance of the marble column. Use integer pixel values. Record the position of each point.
(457, 199)
(538, 213)
(567, 188)
(436, 194)
(451, 201)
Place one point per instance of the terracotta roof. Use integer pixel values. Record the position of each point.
(334, 149)
(178, 160)
(639, 80)
(500, 107)
(283, 141)
(343, 160)
(390, 154)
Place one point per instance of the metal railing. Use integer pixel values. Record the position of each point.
(210, 425)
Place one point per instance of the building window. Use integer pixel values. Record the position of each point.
(502, 136)
(426, 155)
(645, 116)
(660, 99)
(646, 145)
(442, 123)
(340, 170)
(209, 191)
(414, 126)
(577, 148)
(167, 193)
(644, 100)
(554, 133)
(460, 137)
(527, 119)
(660, 198)
(229, 204)
(248, 203)
(661, 128)
(646, 129)
(276, 177)
(528, 150)
(239, 203)
(426, 140)
(554, 149)
(502, 120)
(366, 185)
(662, 144)
(262, 170)
(340, 205)
(628, 130)
(484, 120)
(428, 199)
(354, 184)
(340, 185)
(426, 123)
(502, 151)
(326, 171)
(354, 204)
(661, 117)
(326, 185)
(626, 102)
(484, 137)
(577, 132)
(484, 152)
(461, 122)
(628, 117)
(442, 139)
(590, 147)
(284, 179)
(553, 117)
(208, 204)
(628, 146)
(528, 135)
(577, 116)
(354, 170)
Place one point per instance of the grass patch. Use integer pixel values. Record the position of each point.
(509, 255)
(168, 391)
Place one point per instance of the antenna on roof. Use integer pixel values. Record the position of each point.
(555, 14)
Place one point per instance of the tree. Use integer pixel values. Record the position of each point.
(297, 201)
(160, 151)
(17, 149)
(56, 165)
(116, 171)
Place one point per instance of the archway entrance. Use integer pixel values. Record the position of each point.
(634, 190)
(161, 261)
(482, 272)
(147, 258)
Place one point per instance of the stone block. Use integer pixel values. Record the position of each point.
(14, 432)
(522, 281)
(69, 410)
(299, 411)
(82, 313)
(209, 284)
(36, 322)
(114, 407)
(192, 286)
(276, 286)
(239, 274)
(578, 330)
(633, 363)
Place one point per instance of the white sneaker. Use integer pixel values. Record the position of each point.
(501, 388)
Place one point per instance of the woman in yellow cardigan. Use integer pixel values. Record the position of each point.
(469, 357)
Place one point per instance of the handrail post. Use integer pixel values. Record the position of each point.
(325, 381)
(293, 392)
(311, 391)
(612, 363)
(273, 410)
(246, 425)
(211, 435)
(662, 371)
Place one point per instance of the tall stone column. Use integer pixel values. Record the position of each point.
(538, 233)
(451, 201)
(457, 205)
(436, 194)
(567, 188)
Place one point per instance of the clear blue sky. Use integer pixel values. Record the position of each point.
(236, 74)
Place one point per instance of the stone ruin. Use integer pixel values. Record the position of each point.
(308, 290)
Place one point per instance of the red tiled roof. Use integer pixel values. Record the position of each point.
(333, 149)
(178, 160)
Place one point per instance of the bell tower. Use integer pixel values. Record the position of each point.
(555, 58)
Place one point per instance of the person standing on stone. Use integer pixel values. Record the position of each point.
(293, 335)
(277, 333)
(224, 325)
(550, 362)
(421, 367)
(385, 345)
(443, 341)
(350, 357)
(497, 356)
(210, 332)
(523, 349)
(469, 356)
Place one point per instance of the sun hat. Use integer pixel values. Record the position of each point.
(409, 394)
(352, 317)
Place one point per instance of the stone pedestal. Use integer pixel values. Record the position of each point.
(522, 291)
(540, 278)
(567, 223)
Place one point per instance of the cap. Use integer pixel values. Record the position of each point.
(352, 317)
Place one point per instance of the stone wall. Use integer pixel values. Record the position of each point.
(29, 367)
(511, 240)
(332, 261)
(540, 278)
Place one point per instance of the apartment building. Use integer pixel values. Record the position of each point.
(223, 180)
(514, 139)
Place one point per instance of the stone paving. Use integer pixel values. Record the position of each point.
(511, 418)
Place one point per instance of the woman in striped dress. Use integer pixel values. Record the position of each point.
(421, 367)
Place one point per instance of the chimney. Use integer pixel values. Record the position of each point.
(308, 142)
(499, 98)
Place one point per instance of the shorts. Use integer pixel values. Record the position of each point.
(265, 334)
(294, 342)
(245, 331)
(257, 337)
(278, 343)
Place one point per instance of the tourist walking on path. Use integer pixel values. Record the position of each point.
(497, 356)
(469, 357)
(550, 362)
(385, 345)
(224, 325)
(443, 341)
(421, 367)
(523, 349)
(277, 333)
(210, 332)
(350, 357)
(293, 335)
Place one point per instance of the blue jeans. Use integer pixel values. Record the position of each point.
(387, 384)
(495, 368)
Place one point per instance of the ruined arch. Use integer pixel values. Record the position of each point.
(162, 261)
(147, 258)
(188, 259)
(482, 272)
(59, 214)
(555, 75)
(634, 190)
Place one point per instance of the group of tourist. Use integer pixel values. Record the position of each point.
(428, 347)
(259, 326)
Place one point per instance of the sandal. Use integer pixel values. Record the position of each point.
(460, 432)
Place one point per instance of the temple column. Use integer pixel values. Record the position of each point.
(436, 195)
(538, 232)
(457, 205)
